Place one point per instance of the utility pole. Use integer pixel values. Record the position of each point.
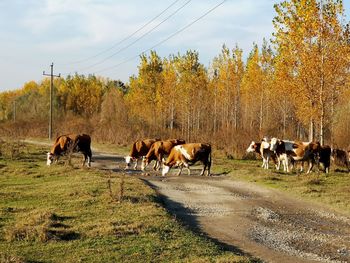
(51, 97)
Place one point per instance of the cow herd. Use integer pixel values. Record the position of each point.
(289, 153)
(165, 153)
(169, 153)
(177, 153)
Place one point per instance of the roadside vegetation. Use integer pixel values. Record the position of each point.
(65, 213)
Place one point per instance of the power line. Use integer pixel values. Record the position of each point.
(136, 40)
(124, 39)
(164, 40)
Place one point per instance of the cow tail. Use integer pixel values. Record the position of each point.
(209, 161)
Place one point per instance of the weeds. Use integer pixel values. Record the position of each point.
(119, 195)
(11, 150)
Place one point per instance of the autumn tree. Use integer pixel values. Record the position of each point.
(310, 39)
(143, 96)
(228, 71)
(192, 89)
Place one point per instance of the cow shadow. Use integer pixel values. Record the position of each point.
(338, 170)
(195, 172)
(188, 219)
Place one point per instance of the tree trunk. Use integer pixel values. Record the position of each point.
(261, 112)
(311, 130)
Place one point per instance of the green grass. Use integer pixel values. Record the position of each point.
(66, 213)
(331, 189)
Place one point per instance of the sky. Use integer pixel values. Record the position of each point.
(106, 37)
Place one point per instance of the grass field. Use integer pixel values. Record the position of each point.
(64, 213)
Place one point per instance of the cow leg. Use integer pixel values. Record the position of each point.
(89, 158)
(135, 166)
(84, 158)
(208, 167)
(302, 166)
(158, 162)
(180, 170)
(311, 164)
(155, 166)
(278, 163)
(285, 163)
(267, 162)
(188, 168)
(202, 172)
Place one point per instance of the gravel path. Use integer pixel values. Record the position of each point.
(262, 222)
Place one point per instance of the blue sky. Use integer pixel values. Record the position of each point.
(35, 33)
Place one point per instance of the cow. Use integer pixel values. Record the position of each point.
(184, 155)
(325, 158)
(297, 151)
(263, 149)
(139, 149)
(158, 151)
(341, 158)
(70, 143)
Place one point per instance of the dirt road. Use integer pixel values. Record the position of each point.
(247, 218)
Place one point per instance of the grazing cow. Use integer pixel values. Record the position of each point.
(184, 155)
(158, 151)
(263, 149)
(297, 151)
(341, 158)
(71, 143)
(325, 158)
(138, 150)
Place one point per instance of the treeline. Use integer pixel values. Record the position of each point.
(294, 86)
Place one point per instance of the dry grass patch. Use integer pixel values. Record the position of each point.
(11, 259)
(37, 226)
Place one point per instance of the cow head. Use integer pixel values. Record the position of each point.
(128, 160)
(273, 144)
(251, 147)
(165, 169)
(50, 158)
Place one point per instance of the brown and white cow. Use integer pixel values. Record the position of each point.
(158, 151)
(297, 151)
(341, 158)
(263, 149)
(184, 155)
(70, 143)
(139, 149)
